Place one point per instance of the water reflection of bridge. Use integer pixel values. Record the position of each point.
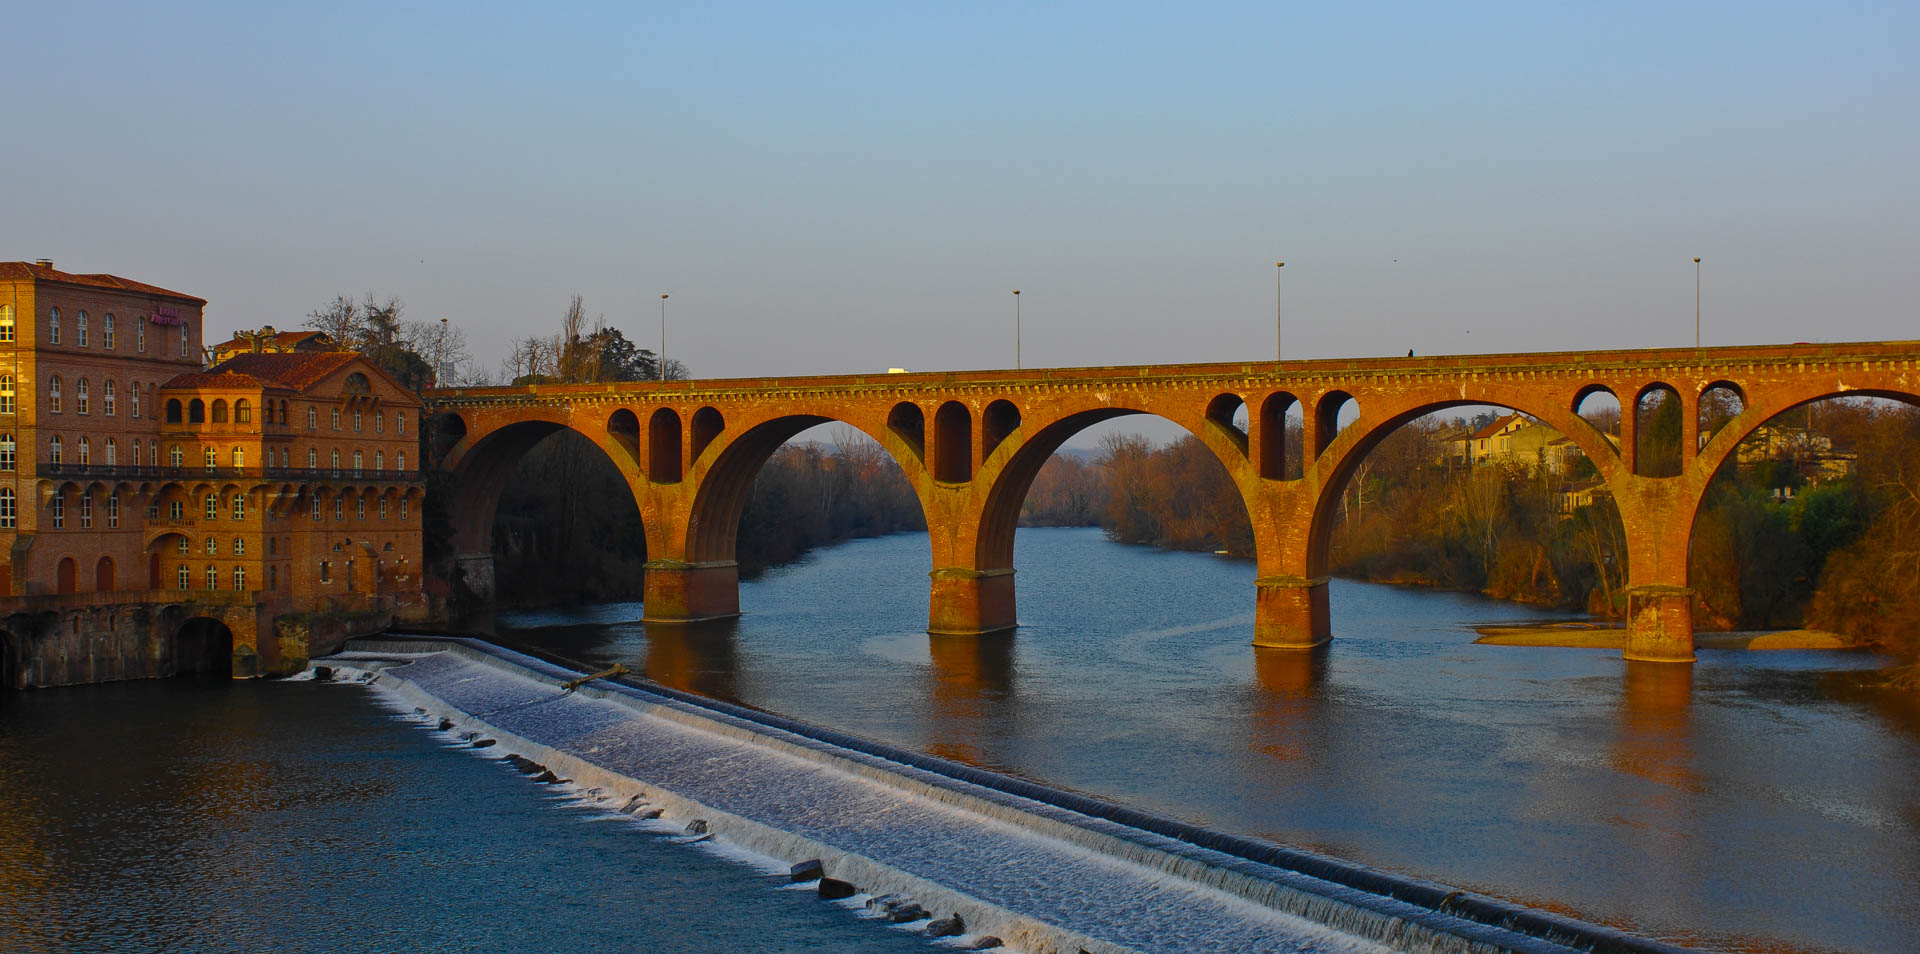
(971, 443)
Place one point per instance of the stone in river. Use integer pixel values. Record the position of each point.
(947, 927)
(482, 743)
(697, 827)
(810, 870)
(907, 911)
(987, 943)
(323, 674)
(833, 889)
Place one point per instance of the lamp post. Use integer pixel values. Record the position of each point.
(440, 360)
(663, 336)
(1016, 329)
(1278, 325)
(1696, 301)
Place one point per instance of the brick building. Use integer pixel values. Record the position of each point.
(291, 475)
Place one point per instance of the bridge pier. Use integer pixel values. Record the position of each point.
(969, 602)
(474, 573)
(1659, 623)
(682, 592)
(1291, 612)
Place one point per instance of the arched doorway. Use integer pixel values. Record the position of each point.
(203, 647)
(66, 577)
(103, 575)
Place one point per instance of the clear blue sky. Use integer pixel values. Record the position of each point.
(851, 187)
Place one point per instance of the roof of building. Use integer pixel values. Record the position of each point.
(283, 340)
(34, 271)
(215, 379)
(294, 370)
(1494, 428)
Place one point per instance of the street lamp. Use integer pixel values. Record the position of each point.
(663, 336)
(1696, 301)
(1016, 329)
(1278, 326)
(440, 360)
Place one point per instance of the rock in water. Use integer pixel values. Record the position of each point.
(908, 911)
(647, 814)
(482, 743)
(445, 724)
(987, 943)
(546, 777)
(882, 903)
(697, 827)
(323, 674)
(947, 927)
(833, 889)
(810, 870)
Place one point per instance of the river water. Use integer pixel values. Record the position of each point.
(1750, 802)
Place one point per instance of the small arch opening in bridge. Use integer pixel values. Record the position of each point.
(1282, 436)
(103, 581)
(1657, 432)
(624, 427)
(202, 647)
(1720, 402)
(1332, 414)
(707, 424)
(1810, 522)
(1228, 412)
(1000, 419)
(953, 443)
(663, 446)
(909, 423)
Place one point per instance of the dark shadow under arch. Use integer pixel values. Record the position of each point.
(202, 646)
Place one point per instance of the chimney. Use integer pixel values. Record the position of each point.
(43, 262)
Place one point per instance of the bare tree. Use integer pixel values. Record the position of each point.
(339, 319)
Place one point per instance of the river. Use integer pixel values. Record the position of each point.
(1750, 802)
(1753, 801)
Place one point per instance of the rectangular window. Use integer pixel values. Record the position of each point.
(239, 577)
(213, 507)
(80, 330)
(326, 572)
(184, 547)
(239, 507)
(403, 508)
(176, 510)
(186, 577)
(339, 508)
(380, 422)
(140, 342)
(383, 508)
(273, 577)
(86, 510)
(6, 506)
(356, 422)
(106, 333)
(59, 512)
(186, 346)
(399, 423)
(316, 508)
(336, 418)
(239, 546)
(113, 510)
(213, 574)
(362, 503)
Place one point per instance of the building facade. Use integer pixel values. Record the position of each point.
(287, 478)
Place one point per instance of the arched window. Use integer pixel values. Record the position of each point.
(133, 399)
(6, 394)
(6, 452)
(86, 451)
(239, 506)
(400, 461)
(356, 383)
(211, 507)
(336, 418)
(186, 576)
(174, 457)
(80, 396)
(336, 463)
(283, 457)
(140, 342)
(53, 326)
(313, 458)
(106, 397)
(356, 463)
(106, 332)
(212, 546)
(80, 330)
(173, 410)
(313, 419)
(239, 458)
(356, 421)
(53, 449)
(379, 422)
(213, 575)
(283, 414)
(239, 577)
(239, 546)
(197, 411)
(273, 577)
(242, 411)
(53, 394)
(219, 411)
(6, 322)
(113, 453)
(379, 460)
(399, 423)
(211, 459)
(6, 506)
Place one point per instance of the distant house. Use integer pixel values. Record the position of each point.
(1811, 454)
(269, 341)
(1573, 495)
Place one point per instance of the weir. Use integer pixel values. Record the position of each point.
(1044, 869)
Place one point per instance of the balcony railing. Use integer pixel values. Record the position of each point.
(148, 472)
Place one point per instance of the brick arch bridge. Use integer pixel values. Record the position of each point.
(971, 443)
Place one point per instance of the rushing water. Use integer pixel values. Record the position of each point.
(1751, 801)
(249, 817)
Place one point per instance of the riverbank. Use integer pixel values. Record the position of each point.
(1585, 635)
(1010, 858)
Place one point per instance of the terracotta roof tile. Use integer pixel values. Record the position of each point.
(214, 379)
(30, 271)
(1494, 428)
(293, 370)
